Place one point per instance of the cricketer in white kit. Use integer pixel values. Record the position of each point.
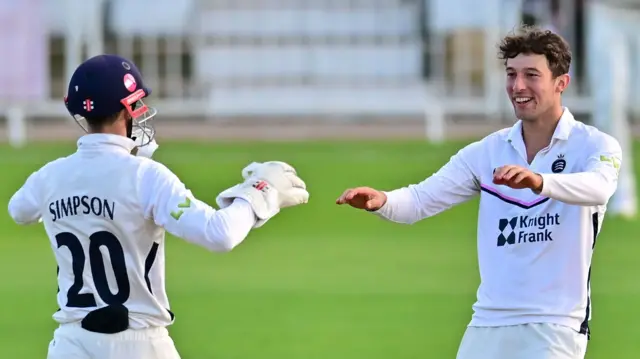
(544, 185)
(106, 211)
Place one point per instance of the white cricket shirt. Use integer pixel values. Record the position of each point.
(534, 250)
(105, 212)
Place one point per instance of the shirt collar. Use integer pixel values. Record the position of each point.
(106, 141)
(562, 131)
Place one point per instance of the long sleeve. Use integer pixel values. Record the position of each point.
(454, 183)
(166, 200)
(23, 205)
(596, 183)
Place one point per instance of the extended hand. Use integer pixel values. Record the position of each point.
(517, 177)
(365, 198)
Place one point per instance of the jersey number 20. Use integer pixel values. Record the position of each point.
(116, 254)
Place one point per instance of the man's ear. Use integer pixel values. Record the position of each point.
(562, 82)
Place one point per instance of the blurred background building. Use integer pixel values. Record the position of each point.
(428, 61)
(321, 281)
(207, 58)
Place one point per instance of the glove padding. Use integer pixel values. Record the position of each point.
(146, 150)
(268, 187)
(145, 145)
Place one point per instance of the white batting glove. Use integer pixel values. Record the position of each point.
(268, 187)
(141, 138)
(147, 150)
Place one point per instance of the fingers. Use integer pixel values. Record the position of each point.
(260, 169)
(516, 177)
(500, 172)
(497, 175)
(506, 174)
(283, 165)
(297, 192)
(250, 169)
(296, 181)
(360, 197)
(520, 177)
(299, 195)
(512, 173)
(347, 196)
(350, 194)
(293, 197)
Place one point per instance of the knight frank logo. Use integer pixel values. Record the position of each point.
(508, 227)
(527, 229)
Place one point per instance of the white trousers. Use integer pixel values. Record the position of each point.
(71, 341)
(527, 341)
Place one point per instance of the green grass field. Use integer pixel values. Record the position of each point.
(318, 281)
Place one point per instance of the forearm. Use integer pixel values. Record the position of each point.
(220, 230)
(401, 206)
(583, 188)
(426, 199)
(165, 200)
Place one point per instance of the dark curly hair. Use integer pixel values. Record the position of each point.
(534, 40)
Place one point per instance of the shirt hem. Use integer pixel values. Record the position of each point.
(567, 322)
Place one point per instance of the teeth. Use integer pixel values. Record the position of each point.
(522, 99)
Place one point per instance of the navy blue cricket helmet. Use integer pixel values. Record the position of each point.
(104, 85)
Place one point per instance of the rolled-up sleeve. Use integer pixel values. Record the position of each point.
(598, 180)
(454, 183)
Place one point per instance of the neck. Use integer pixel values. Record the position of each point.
(537, 134)
(108, 130)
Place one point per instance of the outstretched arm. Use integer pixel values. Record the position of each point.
(167, 201)
(267, 188)
(454, 183)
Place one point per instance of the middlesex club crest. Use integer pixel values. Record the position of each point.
(558, 165)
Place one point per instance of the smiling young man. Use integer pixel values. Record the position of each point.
(544, 185)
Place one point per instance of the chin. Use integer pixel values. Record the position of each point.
(526, 115)
(528, 118)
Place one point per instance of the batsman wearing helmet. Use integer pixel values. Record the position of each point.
(106, 207)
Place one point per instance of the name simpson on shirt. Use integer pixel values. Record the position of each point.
(77, 205)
